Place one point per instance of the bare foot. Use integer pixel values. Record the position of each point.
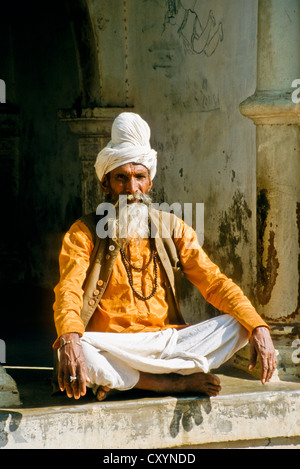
(102, 393)
(206, 383)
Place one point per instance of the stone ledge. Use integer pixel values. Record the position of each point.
(271, 108)
(245, 410)
(9, 394)
(91, 121)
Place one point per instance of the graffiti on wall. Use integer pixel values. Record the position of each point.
(199, 34)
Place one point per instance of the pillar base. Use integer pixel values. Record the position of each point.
(9, 394)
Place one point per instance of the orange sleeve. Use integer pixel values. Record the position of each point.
(215, 287)
(74, 261)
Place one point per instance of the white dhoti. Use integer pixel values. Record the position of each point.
(116, 360)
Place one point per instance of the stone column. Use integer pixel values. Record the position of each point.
(277, 121)
(93, 128)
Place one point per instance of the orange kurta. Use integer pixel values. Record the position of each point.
(120, 310)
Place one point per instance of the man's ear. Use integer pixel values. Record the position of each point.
(105, 184)
(150, 180)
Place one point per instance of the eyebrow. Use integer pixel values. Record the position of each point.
(137, 172)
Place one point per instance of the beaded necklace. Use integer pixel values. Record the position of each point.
(128, 264)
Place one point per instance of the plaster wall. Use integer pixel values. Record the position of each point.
(185, 67)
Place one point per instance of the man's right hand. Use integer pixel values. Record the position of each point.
(72, 363)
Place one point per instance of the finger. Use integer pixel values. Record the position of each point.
(68, 384)
(69, 390)
(82, 388)
(79, 387)
(75, 389)
(82, 385)
(61, 382)
(268, 375)
(61, 379)
(272, 368)
(269, 364)
(253, 357)
(264, 370)
(82, 378)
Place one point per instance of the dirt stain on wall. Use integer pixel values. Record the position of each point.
(233, 232)
(298, 225)
(268, 272)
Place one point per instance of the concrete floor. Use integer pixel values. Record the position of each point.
(35, 388)
(245, 414)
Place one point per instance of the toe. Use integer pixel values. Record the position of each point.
(102, 393)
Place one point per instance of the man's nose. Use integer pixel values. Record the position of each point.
(132, 186)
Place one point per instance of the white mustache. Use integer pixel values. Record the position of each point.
(137, 196)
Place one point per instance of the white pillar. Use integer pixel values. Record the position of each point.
(277, 120)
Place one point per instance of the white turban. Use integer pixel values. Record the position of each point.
(130, 143)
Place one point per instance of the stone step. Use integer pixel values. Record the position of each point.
(244, 411)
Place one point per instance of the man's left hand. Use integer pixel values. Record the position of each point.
(261, 346)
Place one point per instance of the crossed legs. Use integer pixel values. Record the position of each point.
(213, 341)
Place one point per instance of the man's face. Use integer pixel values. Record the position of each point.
(127, 179)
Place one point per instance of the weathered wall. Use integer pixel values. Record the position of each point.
(276, 116)
(186, 67)
(43, 77)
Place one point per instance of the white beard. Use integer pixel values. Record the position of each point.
(132, 221)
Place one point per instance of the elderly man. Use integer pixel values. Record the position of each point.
(116, 310)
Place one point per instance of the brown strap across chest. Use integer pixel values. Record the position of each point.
(104, 255)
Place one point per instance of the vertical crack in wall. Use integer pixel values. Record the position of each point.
(266, 274)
